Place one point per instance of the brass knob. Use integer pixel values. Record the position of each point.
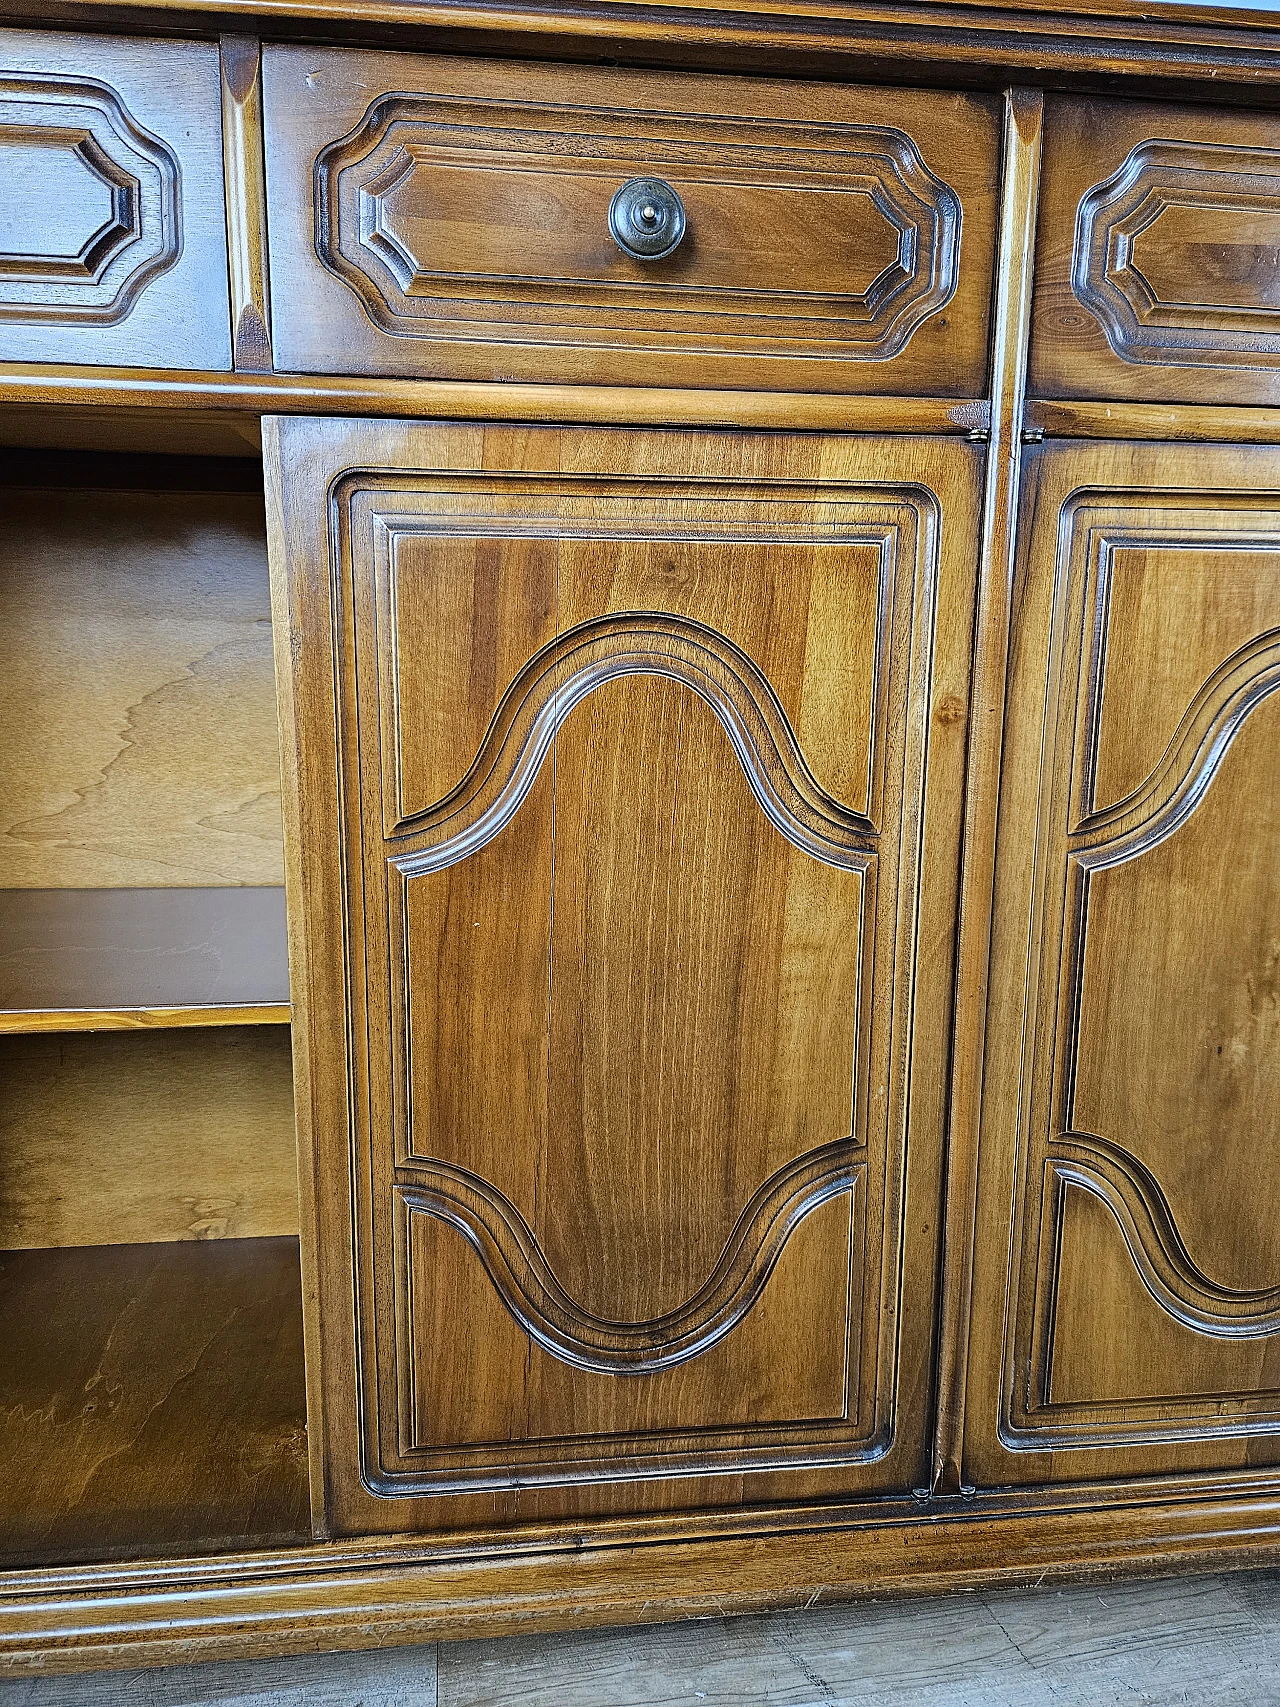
(646, 219)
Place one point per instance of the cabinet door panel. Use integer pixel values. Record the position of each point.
(1130, 1116)
(632, 737)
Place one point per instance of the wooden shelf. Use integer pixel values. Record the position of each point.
(27, 1021)
(151, 1399)
(128, 959)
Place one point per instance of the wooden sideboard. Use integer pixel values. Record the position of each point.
(639, 910)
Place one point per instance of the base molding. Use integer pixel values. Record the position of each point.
(366, 1594)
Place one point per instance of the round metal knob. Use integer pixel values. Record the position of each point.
(646, 219)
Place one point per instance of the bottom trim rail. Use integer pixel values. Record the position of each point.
(365, 1594)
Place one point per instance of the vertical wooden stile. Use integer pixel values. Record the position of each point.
(1024, 112)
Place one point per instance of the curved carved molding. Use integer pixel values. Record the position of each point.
(1133, 1195)
(97, 279)
(524, 1280)
(1154, 810)
(417, 159)
(1149, 320)
(563, 673)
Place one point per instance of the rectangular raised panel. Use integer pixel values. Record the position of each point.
(112, 225)
(440, 218)
(632, 737)
(1156, 264)
(1134, 1059)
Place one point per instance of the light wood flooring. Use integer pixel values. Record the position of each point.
(1199, 1641)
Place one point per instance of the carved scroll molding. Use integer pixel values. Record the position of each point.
(1077, 844)
(1156, 809)
(527, 1285)
(1144, 296)
(562, 674)
(92, 272)
(1133, 1195)
(416, 160)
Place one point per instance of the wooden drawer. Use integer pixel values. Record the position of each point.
(445, 218)
(113, 241)
(1158, 258)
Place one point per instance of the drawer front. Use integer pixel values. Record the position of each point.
(1158, 260)
(112, 225)
(449, 219)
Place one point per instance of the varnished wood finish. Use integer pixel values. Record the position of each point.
(199, 400)
(1190, 422)
(450, 220)
(150, 1400)
(69, 955)
(135, 631)
(1156, 257)
(30, 1021)
(1221, 52)
(113, 221)
(1132, 1052)
(154, 1136)
(1023, 123)
(246, 190)
(664, 949)
(351, 1594)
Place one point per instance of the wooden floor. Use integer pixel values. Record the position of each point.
(1199, 1641)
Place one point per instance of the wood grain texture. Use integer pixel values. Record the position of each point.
(1155, 262)
(691, 954)
(244, 176)
(138, 660)
(822, 253)
(113, 215)
(146, 1138)
(195, 403)
(1024, 115)
(1200, 422)
(1136, 1081)
(65, 952)
(1220, 52)
(151, 1399)
(345, 1595)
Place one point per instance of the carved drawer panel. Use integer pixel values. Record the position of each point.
(1158, 258)
(1130, 1121)
(646, 926)
(112, 224)
(453, 219)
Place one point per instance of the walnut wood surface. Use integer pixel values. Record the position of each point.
(148, 1137)
(1156, 255)
(1136, 1085)
(80, 951)
(150, 1400)
(113, 214)
(662, 913)
(1024, 115)
(1190, 422)
(135, 631)
(246, 191)
(823, 249)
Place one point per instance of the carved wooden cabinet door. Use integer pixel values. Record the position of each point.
(626, 776)
(1126, 1316)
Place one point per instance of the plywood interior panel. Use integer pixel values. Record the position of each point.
(78, 950)
(135, 1138)
(135, 640)
(151, 1400)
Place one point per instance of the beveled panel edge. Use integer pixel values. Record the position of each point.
(27, 383)
(355, 1594)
